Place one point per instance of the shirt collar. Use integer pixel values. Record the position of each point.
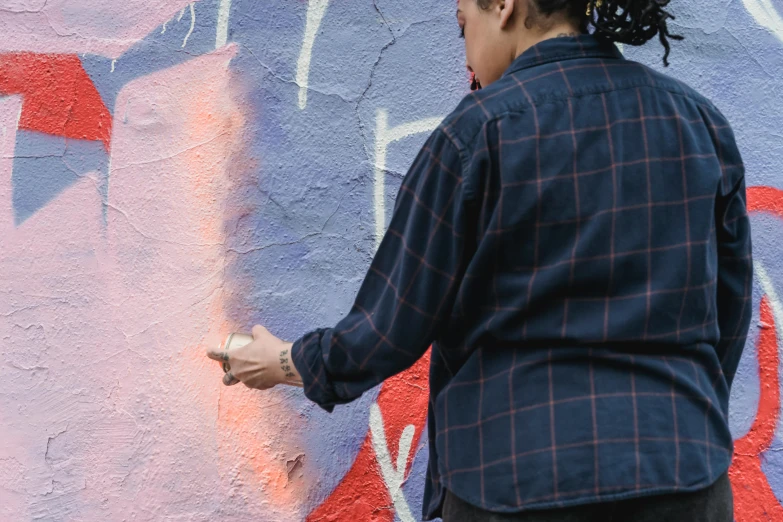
(563, 48)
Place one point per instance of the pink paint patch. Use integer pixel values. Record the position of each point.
(113, 407)
(53, 332)
(104, 27)
(165, 256)
(13, 499)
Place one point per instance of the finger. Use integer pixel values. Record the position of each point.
(258, 331)
(229, 379)
(221, 356)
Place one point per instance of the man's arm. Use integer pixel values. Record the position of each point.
(735, 260)
(409, 289)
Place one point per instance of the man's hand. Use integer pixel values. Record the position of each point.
(262, 364)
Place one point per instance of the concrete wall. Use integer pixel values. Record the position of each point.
(172, 171)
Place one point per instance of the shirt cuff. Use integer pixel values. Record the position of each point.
(308, 359)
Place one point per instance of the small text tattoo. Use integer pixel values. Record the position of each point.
(567, 35)
(285, 365)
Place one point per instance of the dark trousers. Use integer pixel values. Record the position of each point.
(713, 504)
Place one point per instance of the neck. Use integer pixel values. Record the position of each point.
(529, 38)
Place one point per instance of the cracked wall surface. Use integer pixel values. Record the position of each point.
(171, 171)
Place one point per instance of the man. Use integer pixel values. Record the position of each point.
(573, 242)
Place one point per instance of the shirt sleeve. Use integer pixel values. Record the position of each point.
(408, 291)
(735, 259)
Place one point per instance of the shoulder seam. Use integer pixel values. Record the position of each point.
(526, 106)
(469, 194)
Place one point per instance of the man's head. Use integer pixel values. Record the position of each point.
(497, 31)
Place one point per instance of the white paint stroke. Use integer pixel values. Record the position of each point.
(393, 475)
(224, 10)
(6, 191)
(163, 31)
(15, 121)
(3, 129)
(766, 16)
(192, 25)
(113, 63)
(181, 14)
(384, 136)
(774, 301)
(379, 198)
(315, 14)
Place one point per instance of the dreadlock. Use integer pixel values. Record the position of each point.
(631, 22)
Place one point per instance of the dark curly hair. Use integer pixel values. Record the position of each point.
(632, 22)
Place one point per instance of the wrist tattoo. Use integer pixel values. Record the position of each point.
(285, 364)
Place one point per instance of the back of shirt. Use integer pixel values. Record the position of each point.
(605, 307)
(599, 185)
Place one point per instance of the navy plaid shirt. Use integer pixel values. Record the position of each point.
(573, 242)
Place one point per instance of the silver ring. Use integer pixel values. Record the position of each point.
(226, 366)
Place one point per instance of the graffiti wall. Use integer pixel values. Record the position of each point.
(173, 171)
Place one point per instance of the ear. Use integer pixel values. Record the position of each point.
(507, 8)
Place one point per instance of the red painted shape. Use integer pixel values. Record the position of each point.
(765, 199)
(58, 96)
(754, 500)
(362, 495)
